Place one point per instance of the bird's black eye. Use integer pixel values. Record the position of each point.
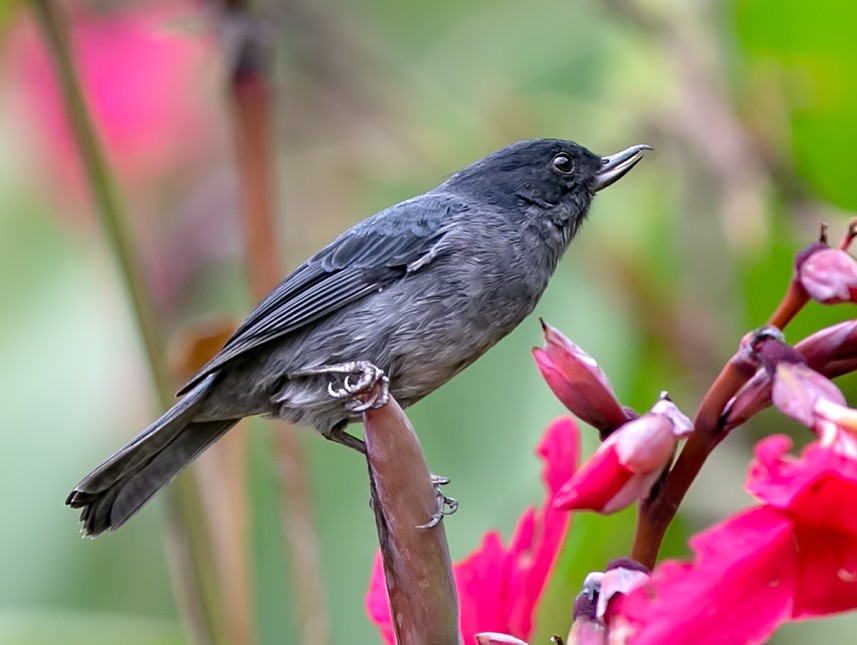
(563, 163)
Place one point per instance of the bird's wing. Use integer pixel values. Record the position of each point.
(365, 259)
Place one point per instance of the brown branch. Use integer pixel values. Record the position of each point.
(795, 299)
(849, 235)
(657, 512)
(250, 102)
(417, 565)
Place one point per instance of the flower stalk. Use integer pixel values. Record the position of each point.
(417, 565)
(189, 543)
(247, 50)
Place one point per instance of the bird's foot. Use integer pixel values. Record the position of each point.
(340, 436)
(445, 505)
(364, 386)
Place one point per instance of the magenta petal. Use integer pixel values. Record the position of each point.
(378, 602)
(537, 539)
(480, 581)
(738, 590)
(819, 489)
(599, 480)
(499, 587)
(827, 574)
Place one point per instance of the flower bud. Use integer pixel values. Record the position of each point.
(627, 464)
(621, 577)
(588, 628)
(829, 276)
(577, 380)
(831, 351)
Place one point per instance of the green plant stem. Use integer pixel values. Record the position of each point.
(103, 189)
(199, 593)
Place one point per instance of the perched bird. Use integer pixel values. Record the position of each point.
(404, 300)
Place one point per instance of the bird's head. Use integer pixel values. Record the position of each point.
(550, 179)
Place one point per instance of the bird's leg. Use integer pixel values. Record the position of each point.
(338, 435)
(370, 380)
(445, 505)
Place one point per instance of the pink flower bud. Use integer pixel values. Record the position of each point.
(588, 628)
(577, 380)
(621, 577)
(829, 345)
(627, 464)
(829, 276)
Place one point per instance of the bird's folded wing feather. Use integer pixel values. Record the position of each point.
(371, 256)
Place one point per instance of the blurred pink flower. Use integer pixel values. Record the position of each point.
(627, 463)
(499, 587)
(793, 557)
(577, 380)
(144, 88)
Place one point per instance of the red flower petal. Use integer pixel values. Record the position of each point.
(598, 482)
(827, 572)
(738, 590)
(793, 558)
(819, 489)
(378, 602)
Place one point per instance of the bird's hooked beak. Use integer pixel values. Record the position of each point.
(614, 167)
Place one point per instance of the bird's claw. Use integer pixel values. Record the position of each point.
(364, 385)
(445, 505)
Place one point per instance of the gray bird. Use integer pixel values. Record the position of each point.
(413, 294)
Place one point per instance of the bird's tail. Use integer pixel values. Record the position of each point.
(120, 486)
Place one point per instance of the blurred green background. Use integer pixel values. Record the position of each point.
(750, 105)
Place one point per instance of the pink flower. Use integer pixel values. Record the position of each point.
(143, 85)
(626, 464)
(816, 402)
(578, 381)
(499, 586)
(829, 276)
(793, 557)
